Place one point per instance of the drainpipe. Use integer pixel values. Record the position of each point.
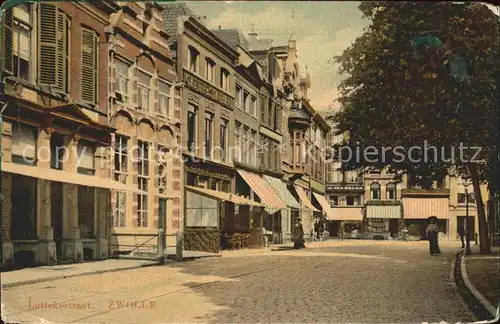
(1, 177)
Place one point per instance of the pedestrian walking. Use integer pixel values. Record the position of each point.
(432, 232)
(461, 232)
(341, 231)
(298, 237)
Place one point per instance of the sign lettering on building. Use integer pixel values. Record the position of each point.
(199, 86)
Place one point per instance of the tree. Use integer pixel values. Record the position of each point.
(423, 72)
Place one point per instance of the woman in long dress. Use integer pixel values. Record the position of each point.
(298, 241)
(432, 232)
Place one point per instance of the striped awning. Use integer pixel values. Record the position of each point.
(346, 213)
(392, 212)
(280, 188)
(304, 199)
(224, 196)
(422, 208)
(64, 176)
(324, 204)
(268, 197)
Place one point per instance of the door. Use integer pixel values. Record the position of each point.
(162, 221)
(56, 190)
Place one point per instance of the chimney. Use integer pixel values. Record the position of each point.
(252, 36)
(220, 27)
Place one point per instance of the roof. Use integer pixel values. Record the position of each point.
(232, 37)
(259, 44)
(171, 12)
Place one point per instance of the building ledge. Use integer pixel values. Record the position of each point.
(425, 192)
(383, 203)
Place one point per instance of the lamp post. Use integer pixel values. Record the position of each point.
(466, 183)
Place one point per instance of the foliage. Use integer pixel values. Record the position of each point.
(443, 91)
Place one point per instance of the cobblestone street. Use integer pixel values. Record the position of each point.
(339, 282)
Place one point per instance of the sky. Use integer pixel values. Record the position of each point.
(322, 31)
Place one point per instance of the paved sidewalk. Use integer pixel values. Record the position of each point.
(483, 272)
(49, 273)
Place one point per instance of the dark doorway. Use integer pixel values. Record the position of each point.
(394, 227)
(56, 190)
(333, 227)
(162, 221)
(23, 208)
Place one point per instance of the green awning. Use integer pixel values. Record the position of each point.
(280, 188)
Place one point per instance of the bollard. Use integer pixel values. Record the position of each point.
(178, 247)
(161, 249)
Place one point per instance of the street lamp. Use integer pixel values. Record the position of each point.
(466, 183)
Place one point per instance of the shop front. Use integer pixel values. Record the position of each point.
(321, 228)
(382, 221)
(307, 212)
(293, 207)
(350, 218)
(416, 212)
(274, 207)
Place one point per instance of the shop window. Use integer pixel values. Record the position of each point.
(201, 211)
(24, 206)
(86, 209)
(24, 147)
(352, 201)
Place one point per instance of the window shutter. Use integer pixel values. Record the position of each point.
(8, 40)
(62, 26)
(89, 64)
(47, 44)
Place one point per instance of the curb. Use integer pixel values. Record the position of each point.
(453, 283)
(484, 302)
(33, 281)
(470, 296)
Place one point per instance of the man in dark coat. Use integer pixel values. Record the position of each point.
(461, 232)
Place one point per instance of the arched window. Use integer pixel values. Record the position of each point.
(375, 191)
(391, 191)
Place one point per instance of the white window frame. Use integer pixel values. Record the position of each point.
(209, 70)
(224, 79)
(165, 96)
(142, 183)
(124, 92)
(144, 87)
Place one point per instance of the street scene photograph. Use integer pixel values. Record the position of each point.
(249, 162)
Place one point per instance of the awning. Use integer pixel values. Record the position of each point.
(346, 213)
(392, 212)
(305, 201)
(422, 208)
(280, 188)
(63, 176)
(268, 197)
(324, 204)
(224, 196)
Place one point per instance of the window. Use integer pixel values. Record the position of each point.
(17, 44)
(375, 191)
(270, 113)
(237, 141)
(224, 79)
(208, 134)
(193, 56)
(253, 148)
(223, 139)
(246, 101)
(54, 36)
(191, 128)
(86, 161)
(90, 65)
(122, 79)
(24, 147)
(201, 211)
(57, 150)
(253, 106)
(353, 201)
(391, 191)
(209, 69)
(441, 184)
(263, 109)
(143, 90)
(239, 97)
(120, 209)
(279, 118)
(86, 209)
(162, 159)
(163, 99)
(142, 182)
(120, 158)
(461, 198)
(24, 207)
